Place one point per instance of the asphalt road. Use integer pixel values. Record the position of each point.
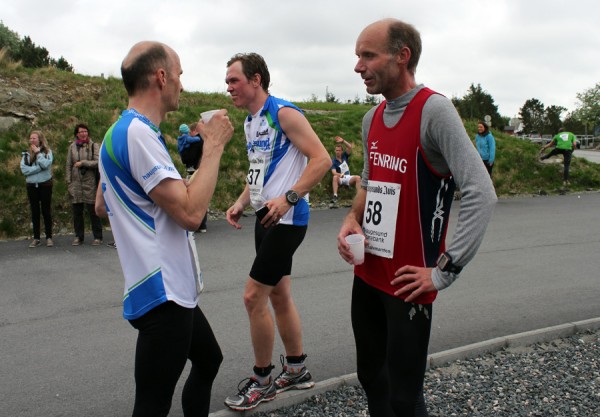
(66, 351)
(590, 155)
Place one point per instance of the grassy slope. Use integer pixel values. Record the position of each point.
(98, 102)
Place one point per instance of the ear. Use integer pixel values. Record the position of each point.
(255, 81)
(403, 56)
(161, 77)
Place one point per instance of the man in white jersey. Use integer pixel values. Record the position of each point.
(151, 211)
(279, 141)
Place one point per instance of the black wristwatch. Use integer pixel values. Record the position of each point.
(445, 264)
(292, 197)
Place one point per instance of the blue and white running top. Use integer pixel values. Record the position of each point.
(275, 163)
(153, 249)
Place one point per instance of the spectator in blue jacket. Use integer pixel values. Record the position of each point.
(190, 146)
(36, 165)
(486, 146)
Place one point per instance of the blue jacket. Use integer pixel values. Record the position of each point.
(40, 170)
(184, 142)
(486, 146)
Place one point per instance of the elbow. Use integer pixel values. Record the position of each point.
(192, 223)
(487, 192)
(191, 226)
(492, 198)
(100, 210)
(325, 164)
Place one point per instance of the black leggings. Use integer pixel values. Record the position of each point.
(488, 167)
(79, 225)
(40, 195)
(169, 335)
(566, 160)
(391, 337)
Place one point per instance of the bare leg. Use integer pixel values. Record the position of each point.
(288, 319)
(355, 180)
(262, 329)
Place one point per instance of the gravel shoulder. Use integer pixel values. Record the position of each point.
(559, 377)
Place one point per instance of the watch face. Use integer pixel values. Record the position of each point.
(443, 262)
(292, 197)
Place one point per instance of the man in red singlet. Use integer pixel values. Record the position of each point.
(416, 151)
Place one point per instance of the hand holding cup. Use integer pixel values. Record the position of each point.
(207, 115)
(357, 247)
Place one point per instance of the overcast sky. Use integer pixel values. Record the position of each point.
(516, 49)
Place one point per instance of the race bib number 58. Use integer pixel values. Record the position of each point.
(379, 219)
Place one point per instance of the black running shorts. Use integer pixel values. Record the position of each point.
(275, 247)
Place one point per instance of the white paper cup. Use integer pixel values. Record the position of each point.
(357, 247)
(207, 115)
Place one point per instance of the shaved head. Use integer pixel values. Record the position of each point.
(143, 60)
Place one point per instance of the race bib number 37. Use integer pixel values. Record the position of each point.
(379, 219)
(255, 179)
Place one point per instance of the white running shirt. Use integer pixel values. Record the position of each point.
(275, 163)
(153, 249)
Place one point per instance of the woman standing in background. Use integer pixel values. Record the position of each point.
(36, 165)
(486, 146)
(81, 176)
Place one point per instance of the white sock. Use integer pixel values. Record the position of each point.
(263, 380)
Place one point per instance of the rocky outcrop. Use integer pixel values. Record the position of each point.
(25, 97)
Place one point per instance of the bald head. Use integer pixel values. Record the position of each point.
(143, 60)
(399, 35)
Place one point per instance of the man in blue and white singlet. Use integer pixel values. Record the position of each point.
(287, 160)
(151, 212)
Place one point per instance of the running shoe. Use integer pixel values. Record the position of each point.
(297, 380)
(251, 395)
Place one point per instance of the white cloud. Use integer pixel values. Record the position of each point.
(515, 49)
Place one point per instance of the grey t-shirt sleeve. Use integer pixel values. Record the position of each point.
(366, 125)
(448, 149)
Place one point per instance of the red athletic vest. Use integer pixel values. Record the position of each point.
(425, 197)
